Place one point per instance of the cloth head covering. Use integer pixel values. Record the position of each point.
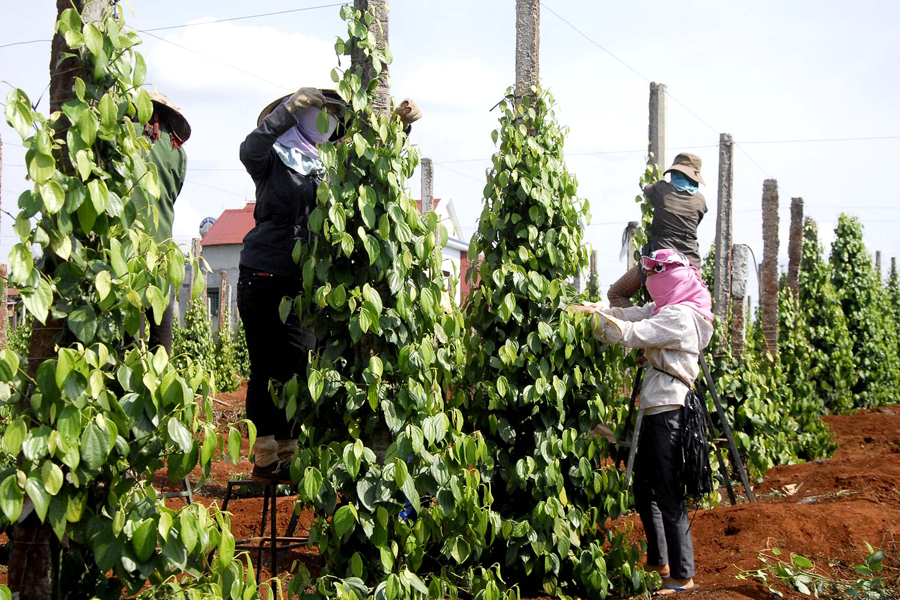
(683, 184)
(305, 136)
(680, 283)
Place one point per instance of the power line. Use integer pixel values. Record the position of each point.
(281, 12)
(23, 43)
(826, 140)
(460, 174)
(216, 60)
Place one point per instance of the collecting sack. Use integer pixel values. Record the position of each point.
(695, 448)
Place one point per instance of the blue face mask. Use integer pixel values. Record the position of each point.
(682, 183)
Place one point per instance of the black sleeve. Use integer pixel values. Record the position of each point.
(255, 150)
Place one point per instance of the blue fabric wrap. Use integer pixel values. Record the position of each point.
(683, 183)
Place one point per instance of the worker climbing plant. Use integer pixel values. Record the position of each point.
(391, 472)
(89, 424)
(538, 384)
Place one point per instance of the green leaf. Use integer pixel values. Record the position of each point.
(88, 125)
(226, 549)
(52, 476)
(140, 70)
(34, 487)
(11, 497)
(158, 302)
(94, 445)
(144, 107)
(176, 267)
(234, 445)
(18, 113)
(93, 39)
(83, 323)
(53, 196)
(38, 299)
(143, 539)
(345, 519)
(199, 280)
(179, 434)
(188, 531)
(103, 283)
(312, 481)
(14, 435)
(99, 195)
(109, 112)
(22, 262)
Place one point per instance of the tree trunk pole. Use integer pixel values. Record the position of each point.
(657, 129)
(795, 247)
(722, 278)
(740, 270)
(222, 298)
(427, 185)
(768, 293)
(379, 27)
(528, 45)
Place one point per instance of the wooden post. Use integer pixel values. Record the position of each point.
(379, 28)
(222, 292)
(795, 247)
(4, 314)
(658, 125)
(740, 269)
(722, 276)
(768, 293)
(528, 44)
(427, 185)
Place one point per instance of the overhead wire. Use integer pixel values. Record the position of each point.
(230, 19)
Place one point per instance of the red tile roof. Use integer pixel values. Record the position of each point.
(434, 203)
(230, 227)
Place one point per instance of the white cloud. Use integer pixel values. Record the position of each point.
(468, 83)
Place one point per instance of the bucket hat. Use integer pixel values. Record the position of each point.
(689, 164)
(333, 104)
(168, 112)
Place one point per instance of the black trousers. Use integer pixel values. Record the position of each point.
(659, 494)
(277, 350)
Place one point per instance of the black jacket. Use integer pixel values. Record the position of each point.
(676, 215)
(284, 200)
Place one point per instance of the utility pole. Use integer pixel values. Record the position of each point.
(528, 45)
(768, 293)
(427, 185)
(379, 28)
(795, 247)
(658, 125)
(722, 273)
(740, 270)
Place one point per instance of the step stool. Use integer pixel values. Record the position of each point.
(275, 542)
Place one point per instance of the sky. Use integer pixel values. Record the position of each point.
(767, 71)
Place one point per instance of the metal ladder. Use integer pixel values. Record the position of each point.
(632, 444)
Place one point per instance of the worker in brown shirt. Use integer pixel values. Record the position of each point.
(678, 208)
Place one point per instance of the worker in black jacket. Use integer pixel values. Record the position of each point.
(678, 208)
(281, 155)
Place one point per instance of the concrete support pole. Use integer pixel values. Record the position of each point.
(379, 27)
(795, 247)
(878, 263)
(576, 282)
(768, 293)
(893, 265)
(722, 274)
(740, 270)
(223, 307)
(427, 185)
(528, 44)
(657, 131)
(230, 323)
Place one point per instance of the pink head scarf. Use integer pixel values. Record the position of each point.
(678, 284)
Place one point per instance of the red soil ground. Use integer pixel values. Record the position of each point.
(824, 510)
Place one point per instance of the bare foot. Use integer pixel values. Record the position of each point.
(661, 570)
(684, 585)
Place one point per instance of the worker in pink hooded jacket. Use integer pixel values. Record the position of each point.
(672, 331)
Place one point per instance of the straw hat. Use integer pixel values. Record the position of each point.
(689, 164)
(166, 110)
(333, 104)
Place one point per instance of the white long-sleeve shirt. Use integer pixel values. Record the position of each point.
(672, 341)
